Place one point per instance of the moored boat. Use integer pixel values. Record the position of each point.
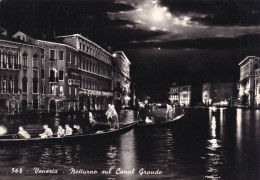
(14, 138)
(161, 124)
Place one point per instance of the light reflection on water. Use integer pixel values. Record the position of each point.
(201, 147)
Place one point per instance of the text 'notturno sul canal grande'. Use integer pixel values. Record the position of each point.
(74, 171)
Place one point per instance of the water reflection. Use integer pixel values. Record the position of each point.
(201, 146)
(213, 157)
(112, 156)
(239, 128)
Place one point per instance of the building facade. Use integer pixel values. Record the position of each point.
(55, 88)
(121, 80)
(93, 69)
(247, 83)
(70, 73)
(180, 95)
(20, 62)
(219, 94)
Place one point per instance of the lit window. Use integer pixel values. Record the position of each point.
(61, 90)
(69, 90)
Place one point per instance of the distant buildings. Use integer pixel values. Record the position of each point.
(248, 85)
(72, 73)
(180, 95)
(121, 79)
(218, 94)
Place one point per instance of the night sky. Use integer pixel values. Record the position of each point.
(182, 41)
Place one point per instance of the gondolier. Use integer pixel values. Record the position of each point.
(169, 111)
(112, 116)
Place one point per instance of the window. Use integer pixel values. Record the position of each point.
(35, 74)
(42, 53)
(84, 47)
(52, 54)
(75, 91)
(69, 56)
(24, 83)
(25, 63)
(61, 90)
(61, 78)
(53, 89)
(185, 95)
(43, 89)
(52, 76)
(61, 55)
(10, 60)
(35, 85)
(69, 90)
(80, 44)
(35, 62)
(43, 75)
(4, 86)
(16, 85)
(16, 60)
(76, 60)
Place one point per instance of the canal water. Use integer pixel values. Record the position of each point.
(200, 146)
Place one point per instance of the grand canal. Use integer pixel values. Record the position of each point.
(202, 146)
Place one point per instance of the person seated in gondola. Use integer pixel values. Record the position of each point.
(47, 133)
(79, 131)
(60, 132)
(144, 112)
(91, 118)
(23, 133)
(149, 120)
(68, 130)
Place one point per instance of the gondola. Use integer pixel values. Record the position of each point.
(168, 123)
(100, 134)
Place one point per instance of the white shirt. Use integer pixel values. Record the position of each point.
(68, 131)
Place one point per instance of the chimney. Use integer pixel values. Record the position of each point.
(3, 31)
(109, 48)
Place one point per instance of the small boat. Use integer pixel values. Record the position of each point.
(161, 124)
(103, 134)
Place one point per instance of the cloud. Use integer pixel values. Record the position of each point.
(186, 23)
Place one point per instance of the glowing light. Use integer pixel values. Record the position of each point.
(213, 127)
(157, 14)
(159, 48)
(3, 130)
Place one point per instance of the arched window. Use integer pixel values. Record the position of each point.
(10, 59)
(4, 59)
(16, 85)
(25, 61)
(4, 85)
(24, 83)
(10, 84)
(15, 56)
(35, 85)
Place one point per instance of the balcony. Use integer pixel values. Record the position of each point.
(52, 59)
(17, 66)
(53, 79)
(74, 82)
